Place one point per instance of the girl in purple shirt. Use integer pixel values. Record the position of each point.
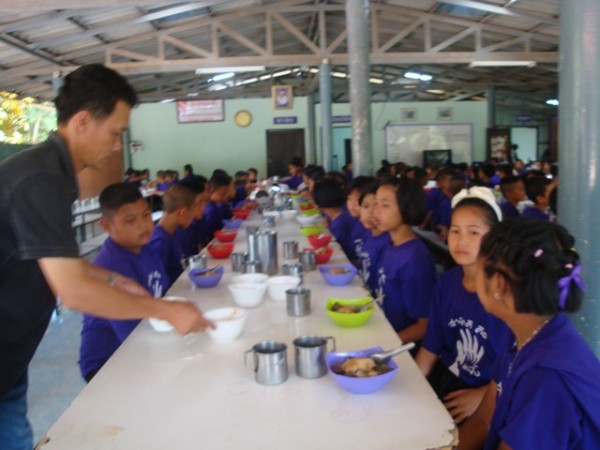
(462, 340)
(546, 393)
(407, 273)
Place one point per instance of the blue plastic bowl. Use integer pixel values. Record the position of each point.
(232, 224)
(359, 385)
(338, 275)
(203, 280)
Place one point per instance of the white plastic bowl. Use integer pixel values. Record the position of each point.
(289, 214)
(275, 214)
(248, 295)
(250, 278)
(307, 220)
(163, 326)
(229, 323)
(278, 285)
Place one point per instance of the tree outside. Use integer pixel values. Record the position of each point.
(22, 121)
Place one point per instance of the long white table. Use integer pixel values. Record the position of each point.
(164, 391)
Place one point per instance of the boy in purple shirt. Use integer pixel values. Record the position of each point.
(127, 219)
(221, 188)
(407, 272)
(193, 239)
(374, 242)
(359, 232)
(330, 198)
(178, 211)
(538, 189)
(513, 191)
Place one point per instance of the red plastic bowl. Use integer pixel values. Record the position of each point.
(220, 250)
(319, 240)
(322, 255)
(241, 213)
(225, 235)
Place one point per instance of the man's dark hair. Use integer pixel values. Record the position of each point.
(94, 88)
(536, 187)
(328, 193)
(116, 195)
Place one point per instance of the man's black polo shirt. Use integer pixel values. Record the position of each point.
(37, 188)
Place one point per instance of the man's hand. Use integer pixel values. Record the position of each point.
(186, 318)
(463, 403)
(127, 285)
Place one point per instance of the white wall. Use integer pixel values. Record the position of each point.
(207, 146)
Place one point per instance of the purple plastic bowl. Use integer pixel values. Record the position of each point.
(338, 279)
(206, 281)
(359, 385)
(232, 224)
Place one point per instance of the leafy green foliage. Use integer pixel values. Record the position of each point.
(22, 121)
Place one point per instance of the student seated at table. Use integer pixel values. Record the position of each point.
(462, 340)
(178, 211)
(438, 202)
(294, 180)
(221, 187)
(513, 191)
(127, 219)
(359, 232)
(375, 242)
(546, 388)
(330, 197)
(538, 189)
(193, 239)
(312, 174)
(241, 185)
(407, 273)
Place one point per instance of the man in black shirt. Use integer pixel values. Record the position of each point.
(38, 254)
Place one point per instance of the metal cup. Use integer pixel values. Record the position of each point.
(252, 267)
(290, 250)
(308, 259)
(197, 261)
(309, 355)
(293, 269)
(270, 362)
(237, 261)
(298, 302)
(268, 221)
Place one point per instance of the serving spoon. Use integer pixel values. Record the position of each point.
(383, 357)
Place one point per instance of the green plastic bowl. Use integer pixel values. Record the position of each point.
(310, 212)
(352, 320)
(310, 230)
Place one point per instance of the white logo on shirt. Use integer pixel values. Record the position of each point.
(468, 354)
(365, 266)
(380, 283)
(155, 284)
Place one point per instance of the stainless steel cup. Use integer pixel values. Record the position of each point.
(309, 356)
(268, 221)
(237, 261)
(197, 261)
(270, 362)
(308, 259)
(290, 250)
(294, 269)
(298, 302)
(252, 267)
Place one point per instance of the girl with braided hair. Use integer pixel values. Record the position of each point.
(546, 393)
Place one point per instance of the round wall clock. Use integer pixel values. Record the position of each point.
(243, 118)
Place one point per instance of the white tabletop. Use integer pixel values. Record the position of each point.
(163, 391)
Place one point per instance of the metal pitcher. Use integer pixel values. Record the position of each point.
(270, 362)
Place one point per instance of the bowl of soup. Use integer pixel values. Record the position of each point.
(229, 323)
(344, 312)
(220, 250)
(338, 275)
(206, 278)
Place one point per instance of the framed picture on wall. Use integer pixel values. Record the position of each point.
(408, 114)
(197, 111)
(498, 144)
(283, 97)
(444, 113)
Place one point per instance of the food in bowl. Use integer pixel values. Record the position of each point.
(164, 326)
(319, 240)
(358, 380)
(361, 368)
(206, 278)
(339, 275)
(337, 270)
(225, 235)
(345, 312)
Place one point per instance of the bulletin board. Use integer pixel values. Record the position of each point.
(406, 142)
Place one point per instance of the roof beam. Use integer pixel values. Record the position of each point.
(492, 9)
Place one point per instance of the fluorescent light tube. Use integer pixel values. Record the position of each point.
(502, 64)
(210, 70)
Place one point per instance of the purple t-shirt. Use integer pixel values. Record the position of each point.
(100, 337)
(169, 251)
(293, 182)
(550, 398)
(185, 241)
(343, 229)
(535, 213)
(442, 212)
(461, 332)
(372, 251)
(405, 279)
(508, 210)
(214, 215)
(199, 229)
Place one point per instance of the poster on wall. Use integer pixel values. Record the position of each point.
(498, 140)
(283, 97)
(198, 111)
(407, 142)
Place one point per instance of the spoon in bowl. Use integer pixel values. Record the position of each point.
(383, 357)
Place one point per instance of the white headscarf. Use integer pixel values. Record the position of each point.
(482, 193)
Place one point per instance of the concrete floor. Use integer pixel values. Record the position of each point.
(54, 378)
